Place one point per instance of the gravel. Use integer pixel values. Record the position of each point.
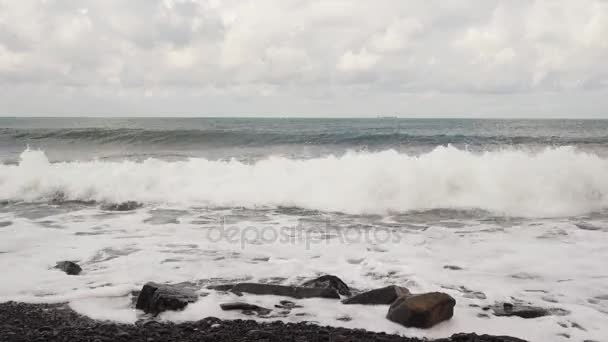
(57, 322)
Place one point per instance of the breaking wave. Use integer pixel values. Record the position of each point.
(558, 181)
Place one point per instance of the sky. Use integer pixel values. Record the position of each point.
(314, 58)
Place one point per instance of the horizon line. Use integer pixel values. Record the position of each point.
(385, 117)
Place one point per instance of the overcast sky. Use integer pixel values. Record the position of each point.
(427, 58)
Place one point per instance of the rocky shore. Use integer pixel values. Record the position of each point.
(20, 322)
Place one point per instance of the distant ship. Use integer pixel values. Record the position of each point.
(387, 117)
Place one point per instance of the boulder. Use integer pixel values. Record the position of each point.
(286, 291)
(422, 310)
(155, 298)
(329, 282)
(124, 206)
(69, 267)
(245, 307)
(382, 296)
(524, 311)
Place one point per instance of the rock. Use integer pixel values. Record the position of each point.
(524, 311)
(422, 310)
(224, 287)
(124, 206)
(69, 267)
(452, 267)
(329, 282)
(461, 337)
(286, 304)
(382, 296)
(245, 307)
(287, 291)
(155, 298)
(261, 334)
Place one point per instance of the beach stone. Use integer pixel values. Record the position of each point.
(462, 337)
(524, 311)
(382, 296)
(422, 310)
(155, 298)
(245, 307)
(329, 282)
(69, 267)
(452, 267)
(286, 291)
(124, 206)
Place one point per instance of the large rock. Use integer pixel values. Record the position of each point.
(382, 296)
(69, 267)
(422, 310)
(329, 282)
(287, 291)
(155, 298)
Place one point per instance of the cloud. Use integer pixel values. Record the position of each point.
(360, 61)
(310, 57)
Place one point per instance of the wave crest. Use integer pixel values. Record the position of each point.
(554, 182)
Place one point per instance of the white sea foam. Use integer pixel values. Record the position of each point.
(547, 262)
(553, 182)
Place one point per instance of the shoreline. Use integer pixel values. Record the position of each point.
(23, 322)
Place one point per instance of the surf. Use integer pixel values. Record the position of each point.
(553, 182)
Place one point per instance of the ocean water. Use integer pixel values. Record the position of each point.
(520, 205)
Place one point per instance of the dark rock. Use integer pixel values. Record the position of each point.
(329, 282)
(587, 226)
(286, 291)
(524, 276)
(260, 334)
(452, 267)
(382, 296)
(124, 206)
(479, 338)
(69, 267)
(224, 287)
(422, 310)
(286, 304)
(45, 329)
(525, 311)
(577, 326)
(245, 307)
(155, 298)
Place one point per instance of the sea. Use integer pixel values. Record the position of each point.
(488, 211)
